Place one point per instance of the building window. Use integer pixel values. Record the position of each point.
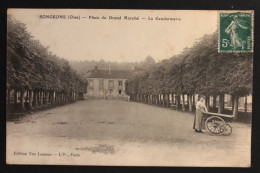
(119, 92)
(101, 83)
(91, 84)
(120, 83)
(111, 84)
(90, 91)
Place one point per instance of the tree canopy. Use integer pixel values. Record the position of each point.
(31, 66)
(200, 69)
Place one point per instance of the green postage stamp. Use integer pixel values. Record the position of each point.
(236, 31)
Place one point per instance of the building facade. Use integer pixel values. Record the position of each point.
(107, 84)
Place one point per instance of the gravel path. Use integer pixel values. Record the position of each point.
(115, 132)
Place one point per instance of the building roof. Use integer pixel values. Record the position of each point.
(113, 74)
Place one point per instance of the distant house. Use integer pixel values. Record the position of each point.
(107, 84)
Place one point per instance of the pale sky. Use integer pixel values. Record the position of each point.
(117, 40)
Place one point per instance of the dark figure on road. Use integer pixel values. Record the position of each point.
(198, 120)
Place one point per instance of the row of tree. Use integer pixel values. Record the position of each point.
(197, 70)
(36, 74)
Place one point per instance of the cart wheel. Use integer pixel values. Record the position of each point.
(213, 124)
(226, 129)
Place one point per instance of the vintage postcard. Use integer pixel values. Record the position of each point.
(129, 87)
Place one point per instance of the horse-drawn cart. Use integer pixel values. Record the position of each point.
(216, 123)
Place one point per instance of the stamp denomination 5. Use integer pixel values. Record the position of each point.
(235, 31)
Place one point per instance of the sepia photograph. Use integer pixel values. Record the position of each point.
(109, 87)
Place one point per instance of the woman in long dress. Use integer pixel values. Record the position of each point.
(232, 29)
(198, 121)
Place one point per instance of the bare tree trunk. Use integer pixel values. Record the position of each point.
(232, 102)
(160, 100)
(41, 97)
(190, 102)
(183, 102)
(22, 100)
(60, 97)
(51, 98)
(30, 99)
(8, 96)
(223, 105)
(66, 98)
(57, 95)
(15, 97)
(207, 102)
(57, 98)
(214, 101)
(245, 104)
(35, 99)
(48, 97)
(163, 100)
(45, 97)
(193, 99)
(235, 111)
(71, 97)
(26, 96)
(220, 105)
(177, 99)
(168, 100)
